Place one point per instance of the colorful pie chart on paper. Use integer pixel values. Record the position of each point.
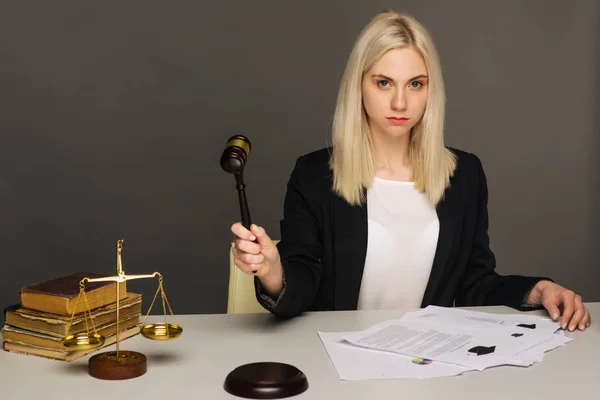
(421, 361)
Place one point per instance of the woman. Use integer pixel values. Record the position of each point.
(388, 217)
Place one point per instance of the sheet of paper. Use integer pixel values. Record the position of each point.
(354, 363)
(519, 326)
(455, 344)
(518, 323)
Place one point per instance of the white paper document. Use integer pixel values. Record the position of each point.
(450, 341)
(354, 363)
(461, 345)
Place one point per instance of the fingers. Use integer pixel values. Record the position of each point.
(258, 233)
(259, 270)
(552, 309)
(568, 302)
(249, 249)
(246, 246)
(261, 236)
(249, 257)
(586, 321)
(578, 315)
(574, 313)
(250, 269)
(241, 232)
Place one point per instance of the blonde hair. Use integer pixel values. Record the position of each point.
(352, 159)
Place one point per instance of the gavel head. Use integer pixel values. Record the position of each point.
(235, 154)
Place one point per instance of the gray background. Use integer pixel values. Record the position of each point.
(113, 116)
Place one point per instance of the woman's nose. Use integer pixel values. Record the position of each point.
(399, 100)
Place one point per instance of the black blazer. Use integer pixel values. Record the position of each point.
(324, 242)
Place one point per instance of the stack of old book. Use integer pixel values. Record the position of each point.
(37, 325)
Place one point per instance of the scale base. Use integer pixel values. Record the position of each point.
(266, 380)
(130, 364)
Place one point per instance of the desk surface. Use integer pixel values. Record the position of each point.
(196, 364)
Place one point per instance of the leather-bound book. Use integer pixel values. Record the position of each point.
(59, 295)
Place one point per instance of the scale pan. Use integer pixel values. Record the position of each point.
(161, 331)
(83, 341)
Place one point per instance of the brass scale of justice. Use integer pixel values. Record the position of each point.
(264, 380)
(114, 365)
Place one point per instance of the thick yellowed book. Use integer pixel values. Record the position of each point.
(29, 338)
(67, 354)
(58, 325)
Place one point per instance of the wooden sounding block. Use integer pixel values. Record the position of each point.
(129, 364)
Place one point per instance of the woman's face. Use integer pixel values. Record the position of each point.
(394, 92)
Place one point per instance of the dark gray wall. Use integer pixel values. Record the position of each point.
(113, 116)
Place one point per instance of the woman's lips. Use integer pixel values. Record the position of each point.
(397, 120)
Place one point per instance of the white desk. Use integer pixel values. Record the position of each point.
(195, 365)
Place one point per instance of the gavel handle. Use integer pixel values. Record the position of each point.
(244, 210)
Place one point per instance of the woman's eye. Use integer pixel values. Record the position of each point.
(383, 83)
(416, 84)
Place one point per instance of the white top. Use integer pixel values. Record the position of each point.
(403, 230)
